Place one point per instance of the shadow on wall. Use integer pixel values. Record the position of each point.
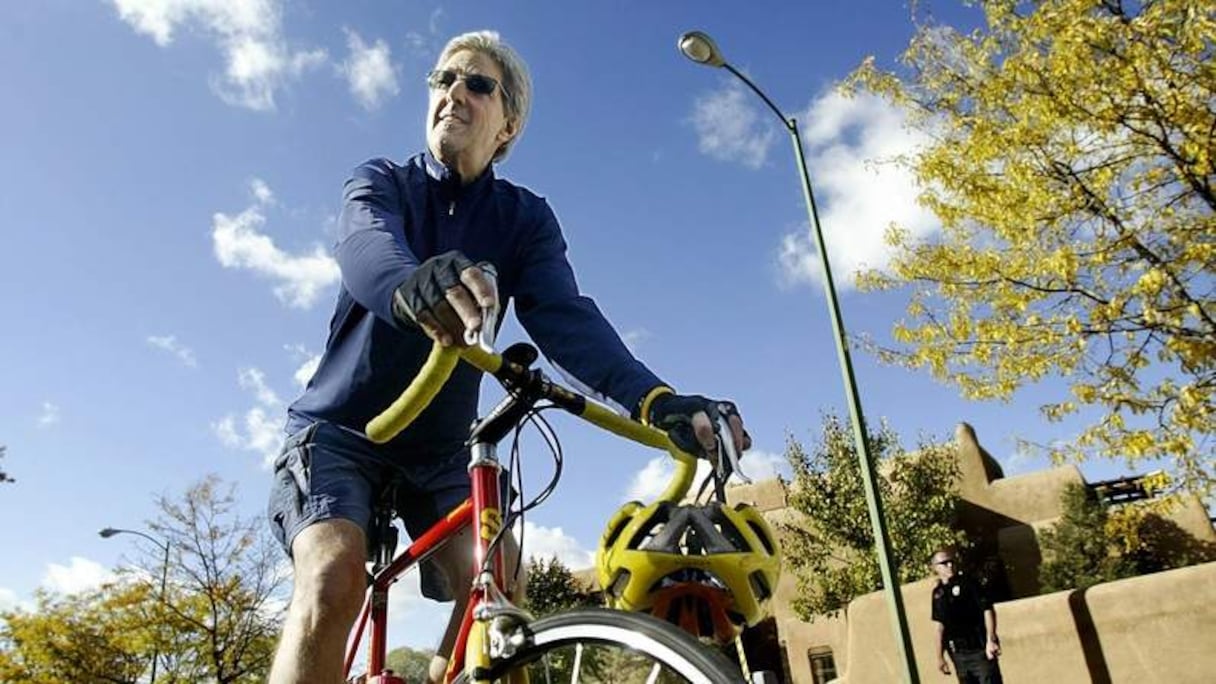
(993, 535)
(1087, 632)
(1165, 546)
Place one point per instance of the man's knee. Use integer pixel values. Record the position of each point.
(329, 561)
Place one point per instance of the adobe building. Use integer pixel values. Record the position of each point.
(1159, 627)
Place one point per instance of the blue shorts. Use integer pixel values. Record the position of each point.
(325, 471)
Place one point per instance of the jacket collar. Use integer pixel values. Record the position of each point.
(448, 180)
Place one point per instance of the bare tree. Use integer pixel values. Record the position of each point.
(224, 602)
(3, 475)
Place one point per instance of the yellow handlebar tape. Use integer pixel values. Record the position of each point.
(435, 372)
(438, 368)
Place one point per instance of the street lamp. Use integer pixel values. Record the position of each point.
(701, 49)
(164, 576)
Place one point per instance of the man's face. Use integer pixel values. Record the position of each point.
(943, 565)
(464, 128)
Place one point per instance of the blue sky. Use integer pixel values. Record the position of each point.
(169, 185)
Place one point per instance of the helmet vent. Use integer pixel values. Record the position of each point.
(762, 535)
(614, 534)
(760, 586)
(620, 583)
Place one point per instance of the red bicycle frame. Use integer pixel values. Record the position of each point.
(482, 506)
(483, 509)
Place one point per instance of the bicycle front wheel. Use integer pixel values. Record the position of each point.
(599, 646)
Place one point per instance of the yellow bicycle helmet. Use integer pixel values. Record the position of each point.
(707, 568)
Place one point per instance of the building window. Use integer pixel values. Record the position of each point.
(823, 665)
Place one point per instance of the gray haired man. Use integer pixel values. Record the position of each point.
(411, 239)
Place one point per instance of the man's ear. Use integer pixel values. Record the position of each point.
(509, 128)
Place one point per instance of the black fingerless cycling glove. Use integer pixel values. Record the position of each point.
(673, 414)
(427, 286)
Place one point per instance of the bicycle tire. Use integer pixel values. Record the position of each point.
(626, 640)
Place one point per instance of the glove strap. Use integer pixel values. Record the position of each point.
(648, 400)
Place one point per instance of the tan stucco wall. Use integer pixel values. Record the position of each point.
(1009, 513)
(797, 636)
(1030, 497)
(1155, 628)
(1040, 633)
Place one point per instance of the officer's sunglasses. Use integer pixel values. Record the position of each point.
(442, 79)
(944, 561)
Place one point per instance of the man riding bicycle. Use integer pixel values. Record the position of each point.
(417, 245)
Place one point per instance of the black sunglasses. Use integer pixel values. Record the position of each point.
(442, 79)
(944, 561)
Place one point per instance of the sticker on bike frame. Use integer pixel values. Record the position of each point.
(491, 523)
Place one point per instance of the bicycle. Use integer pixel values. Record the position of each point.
(496, 637)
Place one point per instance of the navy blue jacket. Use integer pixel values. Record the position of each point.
(393, 218)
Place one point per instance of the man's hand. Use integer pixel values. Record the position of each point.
(445, 296)
(690, 421)
(993, 649)
(942, 666)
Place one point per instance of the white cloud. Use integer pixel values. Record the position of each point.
(170, 344)
(427, 45)
(654, 477)
(80, 574)
(225, 429)
(308, 363)
(255, 380)
(648, 483)
(8, 600)
(634, 339)
(764, 465)
(239, 243)
(853, 144)
(49, 415)
(369, 71)
(553, 542)
(260, 430)
(306, 370)
(249, 33)
(261, 192)
(731, 127)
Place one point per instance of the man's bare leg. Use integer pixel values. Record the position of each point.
(329, 586)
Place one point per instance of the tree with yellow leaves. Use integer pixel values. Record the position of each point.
(102, 635)
(216, 620)
(1071, 169)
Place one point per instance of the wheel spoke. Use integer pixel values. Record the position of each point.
(578, 663)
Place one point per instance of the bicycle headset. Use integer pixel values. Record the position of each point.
(708, 568)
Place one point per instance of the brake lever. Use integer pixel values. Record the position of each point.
(726, 449)
(483, 337)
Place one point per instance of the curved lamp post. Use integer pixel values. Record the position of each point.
(164, 575)
(701, 49)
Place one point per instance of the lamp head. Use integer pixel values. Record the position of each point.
(107, 533)
(700, 48)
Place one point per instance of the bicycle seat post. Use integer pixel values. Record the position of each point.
(382, 543)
